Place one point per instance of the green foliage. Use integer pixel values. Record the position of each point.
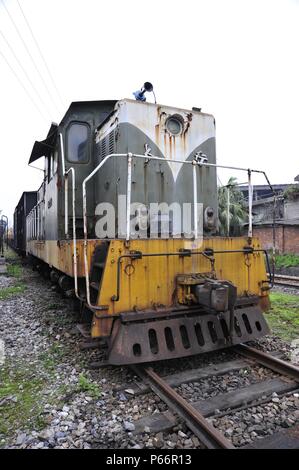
(85, 385)
(51, 358)
(292, 192)
(7, 292)
(14, 270)
(53, 306)
(286, 260)
(11, 255)
(283, 317)
(19, 400)
(237, 208)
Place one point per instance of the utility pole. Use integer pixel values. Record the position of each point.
(228, 210)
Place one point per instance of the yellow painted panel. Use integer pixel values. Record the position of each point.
(59, 254)
(150, 281)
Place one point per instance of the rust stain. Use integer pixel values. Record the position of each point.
(157, 132)
(165, 142)
(170, 146)
(183, 137)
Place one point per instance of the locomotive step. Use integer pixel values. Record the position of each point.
(99, 265)
(95, 285)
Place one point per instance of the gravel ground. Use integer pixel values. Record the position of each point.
(50, 398)
(212, 386)
(285, 289)
(5, 281)
(260, 421)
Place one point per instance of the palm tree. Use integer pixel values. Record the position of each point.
(232, 209)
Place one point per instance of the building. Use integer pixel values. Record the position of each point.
(285, 207)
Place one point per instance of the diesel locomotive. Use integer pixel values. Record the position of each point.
(150, 293)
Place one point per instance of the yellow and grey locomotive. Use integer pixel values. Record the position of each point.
(126, 217)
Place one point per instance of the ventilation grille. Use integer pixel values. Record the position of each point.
(107, 145)
(111, 142)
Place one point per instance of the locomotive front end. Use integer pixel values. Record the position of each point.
(168, 287)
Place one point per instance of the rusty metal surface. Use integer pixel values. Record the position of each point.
(208, 435)
(181, 336)
(273, 363)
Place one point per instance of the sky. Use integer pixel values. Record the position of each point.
(236, 59)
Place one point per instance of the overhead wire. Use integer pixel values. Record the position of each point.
(30, 55)
(41, 54)
(23, 86)
(25, 72)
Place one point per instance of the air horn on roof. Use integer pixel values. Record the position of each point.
(139, 94)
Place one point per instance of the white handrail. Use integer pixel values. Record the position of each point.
(195, 201)
(65, 174)
(85, 223)
(129, 156)
(31, 218)
(72, 171)
(250, 194)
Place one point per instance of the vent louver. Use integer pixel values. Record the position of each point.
(107, 145)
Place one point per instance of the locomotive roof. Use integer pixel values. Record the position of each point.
(24, 195)
(43, 148)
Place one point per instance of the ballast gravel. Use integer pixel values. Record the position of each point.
(74, 406)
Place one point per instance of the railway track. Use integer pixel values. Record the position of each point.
(288, 281)
(195, 414)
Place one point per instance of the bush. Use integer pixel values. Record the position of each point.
(292, 193)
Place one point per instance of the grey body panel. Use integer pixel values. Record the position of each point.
(153, 182)
(90, 113)
(136, 127)
(121, 127)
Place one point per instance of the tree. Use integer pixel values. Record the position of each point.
(232, 209)
(292, 192)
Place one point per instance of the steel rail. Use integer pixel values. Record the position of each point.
(207, 434)
(287, 278)
(271, 362)
(283, 280)
(285, 283)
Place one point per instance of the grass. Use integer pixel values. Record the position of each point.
(85, 385)
(21, 392)
(11, 255)
(286, 260)
(53, 357)
(19, 398)
(283, 317)
(14, 270)
(53, 306)
(7, 292)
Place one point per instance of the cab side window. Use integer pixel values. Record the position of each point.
(55, 161)
(50, 167)
(78, 143)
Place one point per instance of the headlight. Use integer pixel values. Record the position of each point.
(209, 218)
(174, 125)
